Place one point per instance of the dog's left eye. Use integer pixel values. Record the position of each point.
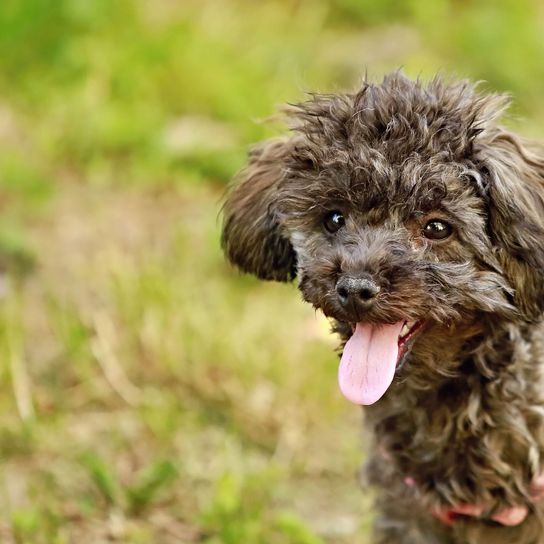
(436, 229)
(334, 221)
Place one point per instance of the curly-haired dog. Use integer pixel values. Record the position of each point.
(416, 222)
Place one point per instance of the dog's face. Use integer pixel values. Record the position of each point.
(410, 244)
(404, 211)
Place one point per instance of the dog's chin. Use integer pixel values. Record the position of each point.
(372, 356)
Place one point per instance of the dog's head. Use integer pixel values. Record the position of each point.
(401, 208)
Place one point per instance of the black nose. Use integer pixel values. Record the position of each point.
(356, 292)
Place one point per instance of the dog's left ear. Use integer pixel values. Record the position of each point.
(252, 238)
(516, 217)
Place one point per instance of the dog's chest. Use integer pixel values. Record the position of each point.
(467, 439)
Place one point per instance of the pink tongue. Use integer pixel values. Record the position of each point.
(368, 363)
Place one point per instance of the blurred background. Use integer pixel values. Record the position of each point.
(150, 393)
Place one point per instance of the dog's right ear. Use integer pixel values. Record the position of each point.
(252, 237)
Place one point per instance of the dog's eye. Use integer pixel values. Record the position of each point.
(436, 229)
(334, 221)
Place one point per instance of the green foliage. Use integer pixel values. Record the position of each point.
(102, 477)
(135, 497)
(296, 532)
(148, 485)
(105, 88)
(243, 510)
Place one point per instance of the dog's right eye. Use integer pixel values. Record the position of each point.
(437, 229)
(334, 221)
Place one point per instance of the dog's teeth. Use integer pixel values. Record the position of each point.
(406, 328)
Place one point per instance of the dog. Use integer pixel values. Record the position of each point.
(414, 221)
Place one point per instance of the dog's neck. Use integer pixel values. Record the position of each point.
(464, 405)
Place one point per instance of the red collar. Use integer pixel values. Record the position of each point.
(510, 516)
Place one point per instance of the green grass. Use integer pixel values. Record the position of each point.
(152, 393)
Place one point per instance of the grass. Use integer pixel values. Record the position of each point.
(151, 393)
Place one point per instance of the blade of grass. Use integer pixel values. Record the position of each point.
(102, 477)
(20, 379)
(151, 482)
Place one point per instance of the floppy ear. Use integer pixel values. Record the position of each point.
(516, 217)
(252, 237)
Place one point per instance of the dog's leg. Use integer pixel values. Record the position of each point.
(399, 521)
(400, 518)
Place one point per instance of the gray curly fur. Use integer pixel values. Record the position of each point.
(464, 416)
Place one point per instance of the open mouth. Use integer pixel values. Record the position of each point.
(371, 357)
(408, 331)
